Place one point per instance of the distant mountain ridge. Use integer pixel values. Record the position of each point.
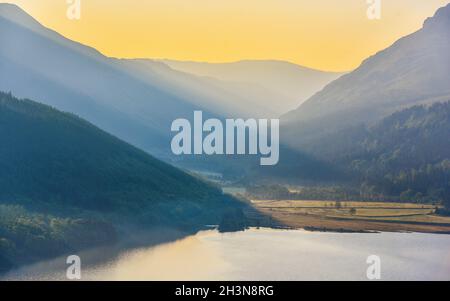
(288, 84)
(226, 99)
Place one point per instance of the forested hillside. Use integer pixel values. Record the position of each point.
(66, 185)
(405, 155)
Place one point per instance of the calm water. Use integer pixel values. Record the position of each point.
(268, 254)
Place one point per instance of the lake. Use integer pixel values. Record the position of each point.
(270, 254)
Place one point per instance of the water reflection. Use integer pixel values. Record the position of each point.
(268, 254)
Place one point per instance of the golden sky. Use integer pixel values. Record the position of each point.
(323, 34)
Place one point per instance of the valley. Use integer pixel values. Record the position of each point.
(109, 162)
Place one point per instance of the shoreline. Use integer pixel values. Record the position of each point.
(318, 216)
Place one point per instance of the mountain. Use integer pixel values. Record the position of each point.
(414, 70)
(136, 100)
(66, 185)
(133, 99)
(227, 99)
(360, 124)
(279, 85)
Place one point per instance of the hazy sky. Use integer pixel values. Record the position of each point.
(322, 34)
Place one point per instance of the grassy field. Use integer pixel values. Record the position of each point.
(355, 216)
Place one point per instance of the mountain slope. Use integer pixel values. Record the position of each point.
(279, 85)
(414, 70)
(406, 154)
(57, 170)
(38, 63)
